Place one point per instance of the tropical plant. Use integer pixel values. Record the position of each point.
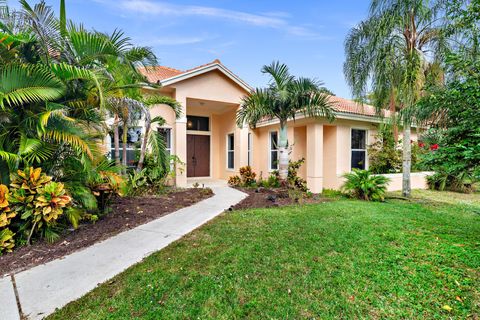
(38, 200)
(361, 184)
(235, 181)
(247, 176)
(384, 155)
(294, 180)
(6, 215)
(454, 110)
(282, 100)
(7, 241)
(395, 52)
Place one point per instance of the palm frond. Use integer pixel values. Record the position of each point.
(20, 84)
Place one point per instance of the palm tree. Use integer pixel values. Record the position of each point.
(392, 53)
(34, 125)
(283, 99)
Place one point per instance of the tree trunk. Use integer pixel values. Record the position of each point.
(283, 152)
(116, 140)
(393, 111)
(124, 153)
(407, 161)
(143, 150)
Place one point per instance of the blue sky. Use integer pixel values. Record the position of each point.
(308, 35)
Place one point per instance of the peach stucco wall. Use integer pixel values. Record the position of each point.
(216, 87)
(324, 145)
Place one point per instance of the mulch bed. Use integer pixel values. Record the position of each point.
(270, 198)
(126, 214)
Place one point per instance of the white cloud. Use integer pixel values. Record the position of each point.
(172, 41)
(274, 20)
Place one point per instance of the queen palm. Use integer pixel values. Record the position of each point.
(393, 53)
(285, 97)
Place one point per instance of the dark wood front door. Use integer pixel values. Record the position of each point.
(198, 155)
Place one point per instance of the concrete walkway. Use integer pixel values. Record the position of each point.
(44, 288)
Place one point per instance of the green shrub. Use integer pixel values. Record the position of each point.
(294, 181)
(7, 242)
(383, 155)
(6, 215)
(361, 184)
(38, 201)
(273, 180)
(234, 181)
(248, 176)
(443, 181)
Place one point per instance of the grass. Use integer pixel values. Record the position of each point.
(341, 259)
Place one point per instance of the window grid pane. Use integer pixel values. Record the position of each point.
(358, 149)
(273, 150)
(230, 151)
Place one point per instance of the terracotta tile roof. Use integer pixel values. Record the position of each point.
(350, 106)
(159, 73)
(205, 65)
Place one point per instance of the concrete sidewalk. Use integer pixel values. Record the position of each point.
(44, 288)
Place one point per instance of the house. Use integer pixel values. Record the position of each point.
(208, 140)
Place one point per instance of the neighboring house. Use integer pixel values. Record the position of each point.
(208, 140)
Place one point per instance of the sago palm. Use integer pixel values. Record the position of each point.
(391, 53)
(284, 98)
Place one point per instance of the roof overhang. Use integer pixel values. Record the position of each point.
(338, 115)
(204, 69)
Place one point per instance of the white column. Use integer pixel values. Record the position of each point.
(315, 157)
(241, 147)
(181, 144)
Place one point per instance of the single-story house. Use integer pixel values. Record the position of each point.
(208, 140)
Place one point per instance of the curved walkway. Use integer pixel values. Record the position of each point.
(37, 292)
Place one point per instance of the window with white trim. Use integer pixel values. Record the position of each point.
(134, 139)
(273, 150)
(249, 159)
(166, 133)
(230, 151)
(359, 149)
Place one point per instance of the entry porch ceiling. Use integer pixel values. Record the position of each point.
(200, 106)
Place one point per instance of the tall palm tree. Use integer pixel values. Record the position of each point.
(391, 53)
(283, 99)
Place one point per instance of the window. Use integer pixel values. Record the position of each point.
(359, 149)
(198, 123)
(273, 150)
(134, 140)
(249, 160)
(230, 151)
(166, 133)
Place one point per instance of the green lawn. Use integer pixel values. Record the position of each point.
(342, 259)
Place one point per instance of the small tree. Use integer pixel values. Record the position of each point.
(283, 99)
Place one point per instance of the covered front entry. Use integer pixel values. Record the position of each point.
(198, 155)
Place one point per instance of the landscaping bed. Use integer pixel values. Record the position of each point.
(127, 213)
(273, 197)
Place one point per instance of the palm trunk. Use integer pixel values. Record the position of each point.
(392, 110)
(124, 153)
(145, 140)
(283, 152)
(116, 140)
(407, 161)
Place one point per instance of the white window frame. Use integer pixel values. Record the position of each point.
(169, 130)
(112, 148)
(228, 151)
(365, 150)
(249, 149)
(270, 150)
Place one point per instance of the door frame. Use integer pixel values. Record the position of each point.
(202, 133)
